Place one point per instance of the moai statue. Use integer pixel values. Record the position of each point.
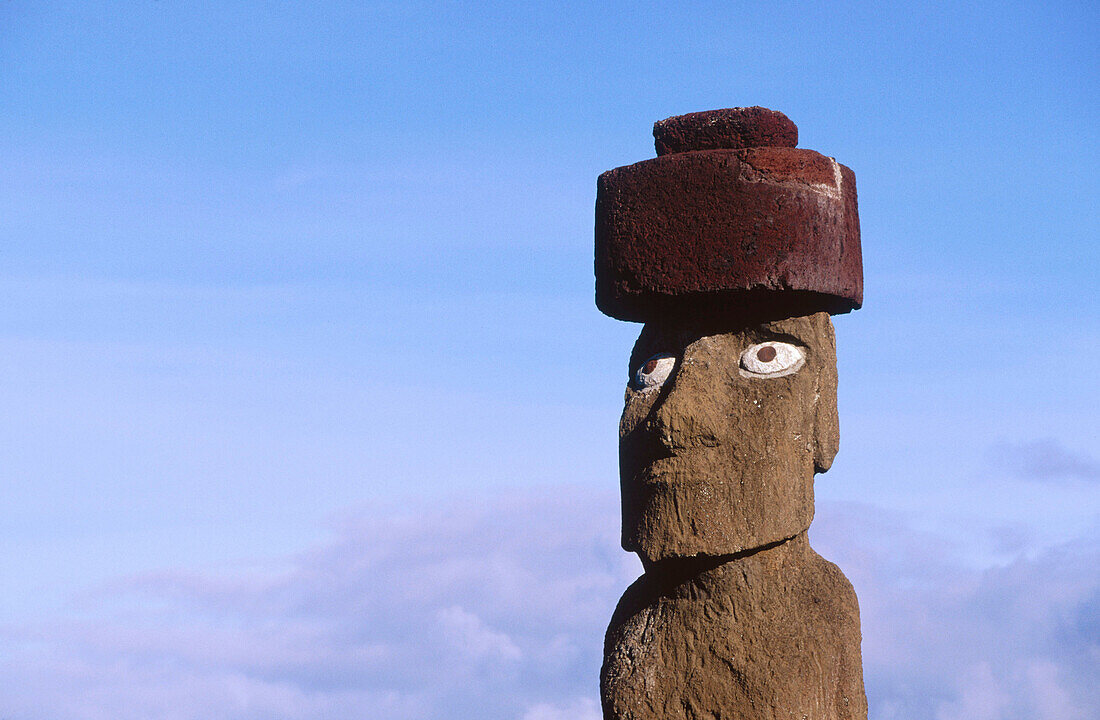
(733, 248)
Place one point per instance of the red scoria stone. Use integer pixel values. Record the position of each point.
(728, 129)
(773, 225)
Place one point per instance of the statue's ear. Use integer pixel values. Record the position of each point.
(826, 431)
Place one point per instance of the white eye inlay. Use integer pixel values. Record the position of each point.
(653, 372)
(772, 359)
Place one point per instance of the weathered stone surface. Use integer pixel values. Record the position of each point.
(770, 636)
(718, 460)
(734, 248)
(718, 225)
(729, 128)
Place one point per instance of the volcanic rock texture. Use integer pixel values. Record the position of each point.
(733, 247)
(772, 635)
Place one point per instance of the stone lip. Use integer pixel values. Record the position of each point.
(716, 227)
(726, 129)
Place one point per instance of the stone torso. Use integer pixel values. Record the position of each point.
(773, 635)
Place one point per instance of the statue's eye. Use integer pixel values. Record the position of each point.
(772, 359)
(653, 372)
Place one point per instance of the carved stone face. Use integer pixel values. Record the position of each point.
(722, 433)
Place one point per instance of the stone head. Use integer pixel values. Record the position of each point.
(723, 428)
(734, 247)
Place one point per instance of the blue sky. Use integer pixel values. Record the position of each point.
(284, 283)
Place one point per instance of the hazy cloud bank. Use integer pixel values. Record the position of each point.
(947, 641)
(1046, 461)
(495, 608)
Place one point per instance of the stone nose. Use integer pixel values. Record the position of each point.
(685, 415)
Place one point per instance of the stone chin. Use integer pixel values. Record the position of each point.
(718, 455)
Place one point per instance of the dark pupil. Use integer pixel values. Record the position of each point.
(765, 354)
(650, 366)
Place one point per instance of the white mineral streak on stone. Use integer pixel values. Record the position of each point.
(836, 189)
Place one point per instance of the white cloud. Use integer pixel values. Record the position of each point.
(495, 608)
(489, 609)
(580, 709)
(980, 697)
(471, 637)
(945, 640)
